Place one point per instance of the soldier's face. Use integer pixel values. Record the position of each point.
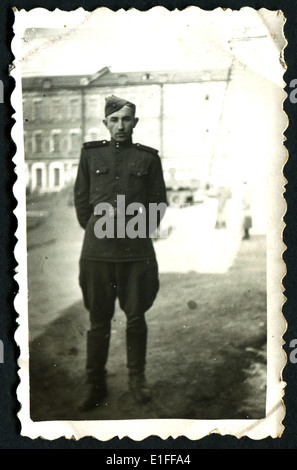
(121, 124)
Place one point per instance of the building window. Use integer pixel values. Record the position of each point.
(74, 140)
(93, 107)
(56, 110)
(56, 177)
(25, 141)
(25, 111)
(38, 142)
(37, 110)
(27, 144)
(93, 134)
(55, 141)
(38, 178)
(74, 108)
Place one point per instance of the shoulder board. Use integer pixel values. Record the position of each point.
(147, 149)
(95, 143)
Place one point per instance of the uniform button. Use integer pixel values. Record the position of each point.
(97, 171)
(117, 177)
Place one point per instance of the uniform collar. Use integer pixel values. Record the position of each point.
(121, 145)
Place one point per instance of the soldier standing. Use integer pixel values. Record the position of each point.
(120, 266)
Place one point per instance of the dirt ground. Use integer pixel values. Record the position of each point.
(206, 346)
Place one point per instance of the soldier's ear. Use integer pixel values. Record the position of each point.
(135, 121)
(105, 122)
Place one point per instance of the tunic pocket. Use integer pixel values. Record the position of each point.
(138, 172)
(138, 179)
(99, 178)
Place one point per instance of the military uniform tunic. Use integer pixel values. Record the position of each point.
(108, 169)
(122, 264)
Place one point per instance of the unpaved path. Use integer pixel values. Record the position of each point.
(207, 338)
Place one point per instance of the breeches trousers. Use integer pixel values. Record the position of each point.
(135, 284)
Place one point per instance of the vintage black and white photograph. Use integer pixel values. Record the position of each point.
(150, 203)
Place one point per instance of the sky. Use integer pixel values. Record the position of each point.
(79, 42)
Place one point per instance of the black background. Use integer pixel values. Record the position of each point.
(9, 425)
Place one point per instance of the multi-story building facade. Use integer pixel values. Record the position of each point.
(180, 114)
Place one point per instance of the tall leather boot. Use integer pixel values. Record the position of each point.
(136, 360)
(97, 354)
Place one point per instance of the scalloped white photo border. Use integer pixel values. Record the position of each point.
(138, 430)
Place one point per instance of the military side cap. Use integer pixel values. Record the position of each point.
(114, 104)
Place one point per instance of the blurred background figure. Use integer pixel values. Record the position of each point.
(223, 196)
(246, 211)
